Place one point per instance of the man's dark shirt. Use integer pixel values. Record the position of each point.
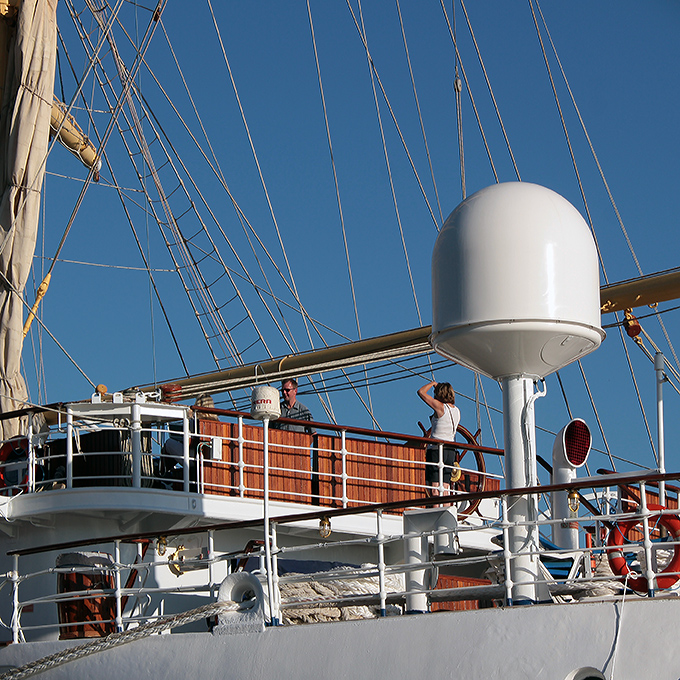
(297, 411)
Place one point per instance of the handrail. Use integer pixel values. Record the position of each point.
(61, 407)
(329, 513)
(354, 430)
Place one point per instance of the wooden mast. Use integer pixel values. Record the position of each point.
(645, 290)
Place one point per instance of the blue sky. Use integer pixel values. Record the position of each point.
(622, 61)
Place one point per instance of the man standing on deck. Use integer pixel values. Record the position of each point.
(292, 408)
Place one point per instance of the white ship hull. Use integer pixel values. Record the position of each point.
(628, 641)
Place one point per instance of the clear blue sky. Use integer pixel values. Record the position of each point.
(622, 61)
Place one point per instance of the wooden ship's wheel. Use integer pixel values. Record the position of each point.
(468, 481)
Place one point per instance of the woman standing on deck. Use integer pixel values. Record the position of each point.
(443, 425)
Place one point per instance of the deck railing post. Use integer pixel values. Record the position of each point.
(440, 467)
(343, 453)
(31, 459)
(507, 555)
(661, 378)
(275, 577)
(15, 598)
(185, 451)
(241, 463)
(211, 558)
(646, 540)
(119, 609)
(69, 448)
(381, 564)
(267, 529)
(199, 469)
(136, 436)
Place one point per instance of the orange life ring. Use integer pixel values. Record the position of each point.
(12, 450)
(617, 560)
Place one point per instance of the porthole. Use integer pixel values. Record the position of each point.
(586, 673)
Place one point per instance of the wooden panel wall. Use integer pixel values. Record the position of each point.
(308, 468)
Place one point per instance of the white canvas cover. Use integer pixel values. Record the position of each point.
(24, 139)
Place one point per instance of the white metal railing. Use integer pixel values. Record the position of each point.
(127, 452)
(124, 599)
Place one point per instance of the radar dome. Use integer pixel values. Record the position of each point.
(515, 284)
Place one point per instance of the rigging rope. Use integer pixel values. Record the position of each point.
(650, 356)
(84, 36)
(259, 170)
(420, 115)
(583, 197)
(393, 116)
(493, 98)
(217, 170)
(221, 328)
(389, 170)
(624, 231)
(118, 639)
(469, 91)
(458, 91)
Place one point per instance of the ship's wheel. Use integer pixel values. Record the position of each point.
(472, 477)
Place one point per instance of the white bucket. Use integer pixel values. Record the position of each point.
(264, 403)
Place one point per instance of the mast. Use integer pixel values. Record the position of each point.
(645, 290)
(29, 49)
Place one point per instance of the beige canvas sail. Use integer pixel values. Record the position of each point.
(30, 51)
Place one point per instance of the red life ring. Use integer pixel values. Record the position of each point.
(13, 450)
(617, 560)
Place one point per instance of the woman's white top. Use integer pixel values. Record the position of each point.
(445, 427)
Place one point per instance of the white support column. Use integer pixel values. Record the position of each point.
(415, 549)
(520, 471)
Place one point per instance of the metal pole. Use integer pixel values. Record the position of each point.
(136, 436)
(211, 560)
(31, 459)
(241, 462)
(343, 439)
(69, 449)
(440, 468)
(15, 598)
(660, 380)
(520, 471)
(646, 541)
(267, 533)
(506, 551)
(275, 577)
(381, 565)
(185, 452)
(119, 609)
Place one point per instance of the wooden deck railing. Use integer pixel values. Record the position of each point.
(308, 468)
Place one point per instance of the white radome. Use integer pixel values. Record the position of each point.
(515, 285)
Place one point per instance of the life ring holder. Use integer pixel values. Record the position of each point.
(16, 446)
(667, 577)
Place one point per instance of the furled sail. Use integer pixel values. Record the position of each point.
(69, 133)
(30, 50)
